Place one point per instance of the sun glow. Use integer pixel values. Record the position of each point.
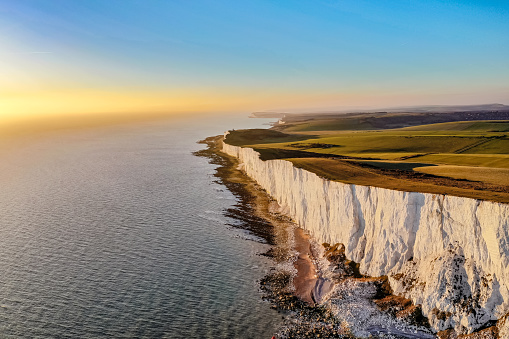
(18, 107)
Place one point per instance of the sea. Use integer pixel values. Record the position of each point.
(120, 232)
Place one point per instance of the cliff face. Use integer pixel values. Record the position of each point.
(447, 253)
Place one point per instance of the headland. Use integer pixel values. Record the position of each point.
(371, 218)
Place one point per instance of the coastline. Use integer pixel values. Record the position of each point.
(290, 243)
(312, 285)
(290, 286)
(304, 285)
(392, 234)
(288, 239)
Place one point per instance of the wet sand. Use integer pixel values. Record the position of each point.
(306, 278)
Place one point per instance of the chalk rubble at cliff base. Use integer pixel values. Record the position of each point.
(447, 253)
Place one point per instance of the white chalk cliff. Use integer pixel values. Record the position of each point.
(447, 253)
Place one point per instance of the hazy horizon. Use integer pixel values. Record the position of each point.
(156, 57)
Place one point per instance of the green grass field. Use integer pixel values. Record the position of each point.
(461, 158)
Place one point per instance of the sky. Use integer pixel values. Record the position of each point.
(186, 56)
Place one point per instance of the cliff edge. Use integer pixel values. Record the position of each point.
(449, 254)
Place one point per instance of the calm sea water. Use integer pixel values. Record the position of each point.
(119, 232)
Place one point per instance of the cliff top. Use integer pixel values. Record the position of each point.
(467, 158)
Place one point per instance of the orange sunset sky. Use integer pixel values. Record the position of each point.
(62, 58)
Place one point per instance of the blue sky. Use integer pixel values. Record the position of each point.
(258, 55)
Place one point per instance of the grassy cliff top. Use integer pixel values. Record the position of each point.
(462, 158)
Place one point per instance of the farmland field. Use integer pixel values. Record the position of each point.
(463, 158)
